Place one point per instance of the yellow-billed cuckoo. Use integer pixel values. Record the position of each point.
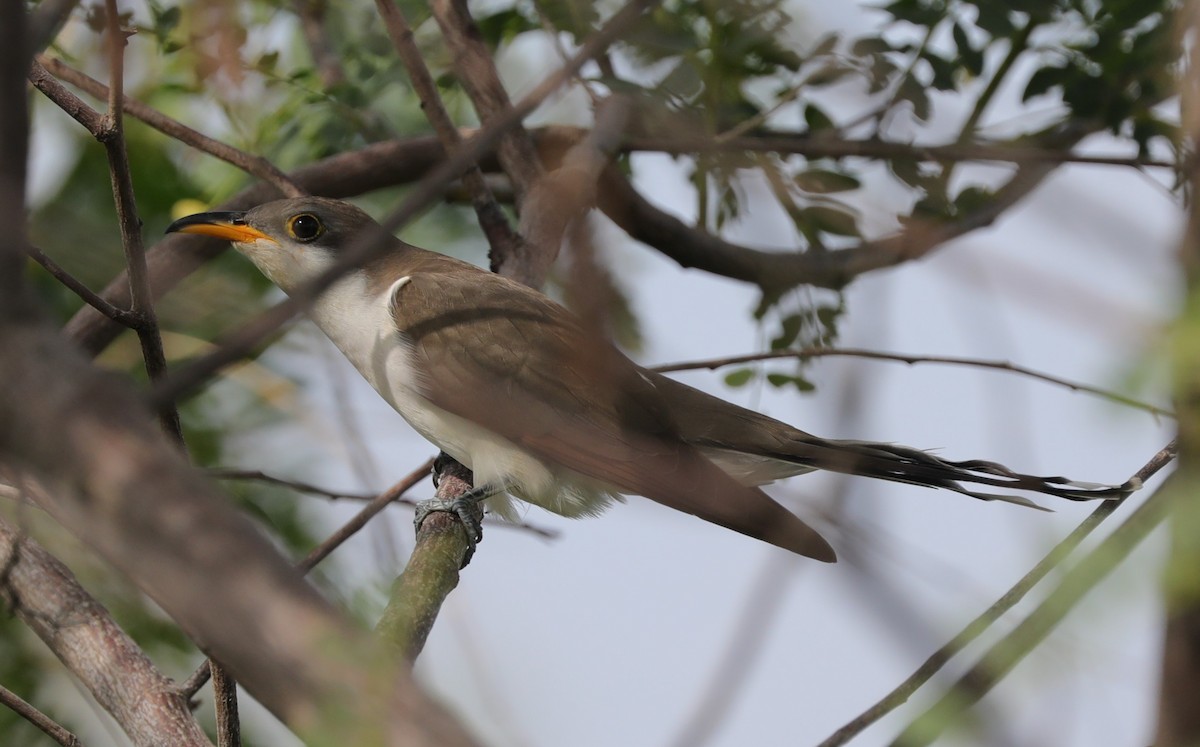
(511, 384)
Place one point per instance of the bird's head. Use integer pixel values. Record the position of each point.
(291, 241)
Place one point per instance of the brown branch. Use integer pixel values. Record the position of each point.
(304, 487)
(113, 139)
(999, 365)
(502, 240)
(979, 625)
(256, 166)
(48, 725)
(441, 551)
(312, 23)
(78, 287)
(399, 162)
(1003, 656)
(229, 727)
(331, 543)
(112, 480)
(476, 71)
(804, 144)
(43, 594)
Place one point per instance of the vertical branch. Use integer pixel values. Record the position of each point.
(1178, 716)
(112, 136)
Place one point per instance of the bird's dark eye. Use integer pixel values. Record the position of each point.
(305, 227)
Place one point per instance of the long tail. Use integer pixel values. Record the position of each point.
(909, 465)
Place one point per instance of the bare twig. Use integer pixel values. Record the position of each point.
(48, 725)
(113, 139)
(312, 23)
(331, 543)
(803, 144)
(476, 71)
(229, 727)
(504, 242)
(304, 487)
(999, 365)
(90, 297)
(254, 165)
(979, 625)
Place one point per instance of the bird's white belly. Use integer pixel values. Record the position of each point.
(384, 357)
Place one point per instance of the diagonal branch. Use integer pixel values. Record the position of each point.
(48, 725)
(981, 679)
(39, 590)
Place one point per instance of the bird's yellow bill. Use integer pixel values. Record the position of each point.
(220, 225)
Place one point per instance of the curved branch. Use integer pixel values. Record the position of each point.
(999, 365)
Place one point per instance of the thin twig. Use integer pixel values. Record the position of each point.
(38, 719)
(312, 23)
(304, 487)
(803, 144)
(256, 166)
(229, 727)
(1000, 365)
(331, 543)
(75, 285)
(112, 136)
(979, 625)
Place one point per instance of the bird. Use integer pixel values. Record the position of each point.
(544, 409)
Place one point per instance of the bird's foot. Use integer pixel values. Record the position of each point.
(468, 507)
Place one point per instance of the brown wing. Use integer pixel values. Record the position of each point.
(511, 360)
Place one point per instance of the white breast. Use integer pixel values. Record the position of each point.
(362, 327)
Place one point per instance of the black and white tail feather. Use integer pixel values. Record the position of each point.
(916, 467)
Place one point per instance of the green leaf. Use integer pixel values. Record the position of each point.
(869, 46)
(816, 119)
(789, 331)
(740, 377)
(994, 18)
(824, 181)
(914, 93)
(971, 58)
(827, 219)
(825, 46)
(1043, 80)
(780, 380)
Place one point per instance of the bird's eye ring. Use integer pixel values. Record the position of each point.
(305, 227)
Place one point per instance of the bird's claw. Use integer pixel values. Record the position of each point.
(468, 507)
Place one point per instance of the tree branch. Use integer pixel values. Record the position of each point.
(441, 550)
(999, 365)
(40, 591)
(256, 166)
(1000, 659)
(48, 726)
